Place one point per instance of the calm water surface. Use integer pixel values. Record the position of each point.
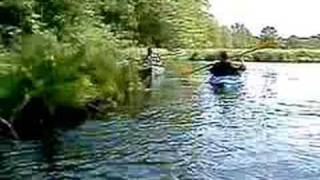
(267, 129)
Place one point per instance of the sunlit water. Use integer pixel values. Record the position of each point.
(267, 129)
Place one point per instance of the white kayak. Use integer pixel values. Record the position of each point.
(152, 72)
(157, 71)
(152, 76)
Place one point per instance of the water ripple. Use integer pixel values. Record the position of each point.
(267, 129)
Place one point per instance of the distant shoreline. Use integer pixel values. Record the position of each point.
(264, 55)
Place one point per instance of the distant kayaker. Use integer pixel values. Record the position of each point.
(225, 67)
(152, 59)
(152, 66)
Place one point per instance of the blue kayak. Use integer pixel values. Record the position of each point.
(226, 82)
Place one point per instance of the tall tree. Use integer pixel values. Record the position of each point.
(241, 36)
(226, 37)
(269, 35)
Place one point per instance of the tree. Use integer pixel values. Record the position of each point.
(159, 23)
(241, 36)
(226, 37)
(269, 36)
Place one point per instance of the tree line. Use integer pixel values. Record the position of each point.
(158, 23)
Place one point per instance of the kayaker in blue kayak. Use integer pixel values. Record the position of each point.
(225, 67)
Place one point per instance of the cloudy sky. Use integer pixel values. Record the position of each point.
(298, 17)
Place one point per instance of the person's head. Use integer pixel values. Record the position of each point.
(224, 56)
(149, 50)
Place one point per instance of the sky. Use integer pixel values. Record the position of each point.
(289, 17)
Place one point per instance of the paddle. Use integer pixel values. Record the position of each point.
(232, 57)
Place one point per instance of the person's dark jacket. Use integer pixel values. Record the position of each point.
(226, 69)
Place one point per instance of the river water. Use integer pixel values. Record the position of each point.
(267, 129)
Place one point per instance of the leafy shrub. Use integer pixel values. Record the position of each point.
(65, 74)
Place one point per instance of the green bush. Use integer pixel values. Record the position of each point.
(66, 74)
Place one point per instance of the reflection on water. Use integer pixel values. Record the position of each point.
(267, 129)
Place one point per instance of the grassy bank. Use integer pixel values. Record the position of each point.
(264, 55)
